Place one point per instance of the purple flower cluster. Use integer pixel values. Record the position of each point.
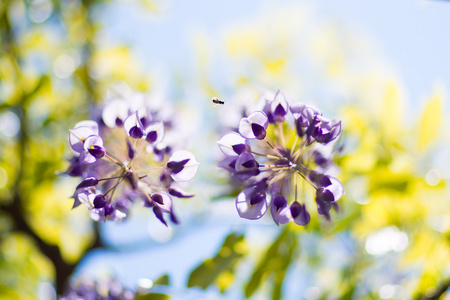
(135, 165)
(277, 151)
(92, 290)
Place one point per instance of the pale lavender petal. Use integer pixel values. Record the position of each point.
(228, 163)
(246, 166)
(87, 158)
(246, 209)
(254, 126)
(296, 109)
(281, 215)
(77, 136)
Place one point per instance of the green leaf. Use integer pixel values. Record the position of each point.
(276, 261)
(219, 269)
(163, 280)
(152, 296)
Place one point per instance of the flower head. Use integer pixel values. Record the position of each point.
(276, 152)
(123, 160)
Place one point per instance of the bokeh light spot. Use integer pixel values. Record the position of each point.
(385, 240)
(9, 124)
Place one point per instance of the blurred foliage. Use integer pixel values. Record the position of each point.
(219, 270)
(52, 69)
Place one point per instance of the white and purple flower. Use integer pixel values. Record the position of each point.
(122, 159)
(275, 150)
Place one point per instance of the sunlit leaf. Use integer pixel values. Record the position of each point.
(430, 121)
(152, 296)
(275, 262)
(163, 280)
(390, 114)
(219, 269)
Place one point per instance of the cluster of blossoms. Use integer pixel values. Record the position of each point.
(92, 290)
(137, 165)
(277, 149)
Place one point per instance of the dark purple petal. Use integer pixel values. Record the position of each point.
(157, 198)
(178, 193)
(136, 132)
(239, 148)
(109, 209)
(258, 131)
(279, 111)
(279, 107)
(299, 128)
(279, 201)
(183, 165)
(324, 195)
(96, 151)
(300, 214)
(174, 218)
(177, 166)
(319, 159)
(99, 201)
(152, 136)
(90, 181)
(131, 151)
(159, 214)
(256, 198)
(250, 164)
(254, 126)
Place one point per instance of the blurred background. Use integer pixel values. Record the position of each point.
(382, 67)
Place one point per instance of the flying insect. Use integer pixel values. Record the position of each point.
(217, 101)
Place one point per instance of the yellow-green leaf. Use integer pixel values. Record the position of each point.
(430, 121)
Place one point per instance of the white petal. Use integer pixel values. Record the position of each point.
(190, 168)
(227, 142)
(159, 128)
(116, 109)
(336, 188)
(88, 123)
(259, 117)
(245, 129)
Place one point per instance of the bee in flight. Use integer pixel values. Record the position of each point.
(217, 101)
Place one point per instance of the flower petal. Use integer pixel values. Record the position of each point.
(232, 144)
(254, 126)
(245, 209)
(155, 133)
(133, 126)
(88, 123)
(77, 136)
(279, 107)
(189, 169)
